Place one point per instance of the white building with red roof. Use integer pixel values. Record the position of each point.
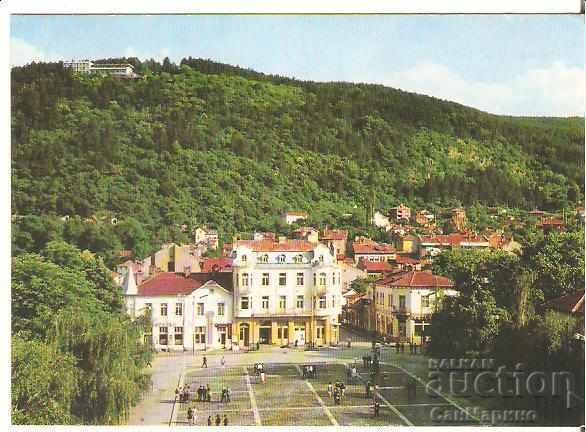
(369, 250)
(286, 292)
(294, 216)
(189, 311)
(402, 304)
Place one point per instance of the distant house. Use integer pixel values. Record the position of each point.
(430, 246)
(459, 219)
(376, 268)
(424, 218)
(214, 265)
(548, 224)
(335, 239)
(408, 244)
(309, 234)
(294, 216)
(407, 263)
(369, 250)
(399, 213)
(264, 236)
(207, 237)
(536, 213)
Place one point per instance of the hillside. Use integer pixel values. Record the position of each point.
(232, 147)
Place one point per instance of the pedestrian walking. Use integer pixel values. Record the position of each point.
(368, 388)
(262, 377)
(330, 389)
(208, 393)
(204, 362)
(218, 420)
(349, 342)
(223, 361)
(209, 420)
(190, 416)
(229, 394)
(225, 420)
(337, 396)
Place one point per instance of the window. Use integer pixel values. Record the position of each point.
(148, 307)
(178, 335)
(178, 309)
(419, 329)
(244, 303)
(322, 302)
(321, 258)
(265, 279)
(425, 301)
(220, 309)
(298, 259)
(265, 258)
(314, 279)
(334, 301)
(402, 329)
(282, 279)
(283, 302)
(390, 300)
(401, 302)
(244, 258)
(339, 279)
(299, 279)
(245, 279)
(163, 309)
(200, 335)
(200, 309)
(322, 279)
(333, 278)
(163, 336)
(283, 333)
(281, 259)
(299, 302)
(320, 332)
(265, 302)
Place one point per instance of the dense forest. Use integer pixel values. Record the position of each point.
(211, 143)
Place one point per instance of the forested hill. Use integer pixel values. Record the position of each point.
(233, 147)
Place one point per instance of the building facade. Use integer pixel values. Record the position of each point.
(285, 293)
(368, 250)
(187, 312)
(335, 239)
(401, 304)
(402, 212)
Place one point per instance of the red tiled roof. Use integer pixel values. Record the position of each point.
(271, 246)
(375, 267)
(216, 264)
(453, 239)
(371, 247)
(172, 284)
(335, 235)
(417, 279)
(570, 303)
(405, 259)
(550, 221)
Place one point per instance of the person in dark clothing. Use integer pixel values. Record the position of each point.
(376, 408)
(402, 347)
(208, 393)
(411, 390)
(364, 361)
(209, 420)
(368, 389)
(225, 420)
(218, 420)
(204, 363)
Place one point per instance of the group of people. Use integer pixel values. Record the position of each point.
(259, 370)
(192, 418)
(182, 393)
(309, 371)
(400, 347)
(204, 393)
(226, 395)
(337, 391)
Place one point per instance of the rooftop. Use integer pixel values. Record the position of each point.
(172, 284)
(272, 246)
(416, 279)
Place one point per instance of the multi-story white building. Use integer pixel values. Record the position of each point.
(401, 304)
(368, 250)
(285, 293)
(123, 70)
(188, 311)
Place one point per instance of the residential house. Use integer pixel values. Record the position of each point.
(459, 219)
(399, 213)
(431, 246)
(294, 216)
(309, 234)
(549, 224)
(370, 250)
(207, 237)
(213, 265)
(408, 244)
(175, 258)
(376, 268)
(335, 239)
(287, 292)
(424, 218)
(188, 311)
(402, 304)
(263, 236)
(404, 262)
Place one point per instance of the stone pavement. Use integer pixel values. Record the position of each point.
(157, 406)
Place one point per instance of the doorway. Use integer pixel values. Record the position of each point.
(245, 334)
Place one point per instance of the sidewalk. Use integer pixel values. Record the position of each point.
(156, 407)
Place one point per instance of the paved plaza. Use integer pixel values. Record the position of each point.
(289, 399)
